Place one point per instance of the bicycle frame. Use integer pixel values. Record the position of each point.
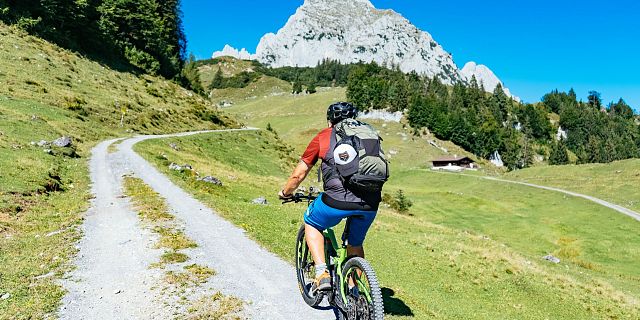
(338, 262)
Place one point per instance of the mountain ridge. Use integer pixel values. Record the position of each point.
(354, 31)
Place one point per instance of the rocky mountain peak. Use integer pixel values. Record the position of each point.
(352, 31)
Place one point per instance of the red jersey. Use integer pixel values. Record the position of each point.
(317, 148)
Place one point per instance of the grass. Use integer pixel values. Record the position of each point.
(466, 251)
(150, 206)
(193, 275)
(615, 182)
(173, 239)
(47, 92)
(170, 257)
(216, 307)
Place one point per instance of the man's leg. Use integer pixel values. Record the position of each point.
(315, 241)
(355, 251)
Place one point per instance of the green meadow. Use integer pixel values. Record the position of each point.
(616, 182)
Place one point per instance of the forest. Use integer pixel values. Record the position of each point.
(143, 35)
(484, 123)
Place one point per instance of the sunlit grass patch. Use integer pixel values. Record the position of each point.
(150, 206)
(193, 275)
(173, 239)
(201, 273)
(173, 257)
(216, 307)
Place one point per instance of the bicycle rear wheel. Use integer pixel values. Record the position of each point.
(305, 270)
(364, 297)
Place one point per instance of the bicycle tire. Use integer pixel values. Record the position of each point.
(303, 256)
(376, 306)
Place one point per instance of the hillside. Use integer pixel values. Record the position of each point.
(464, 251)
(45, 93)
(615, 182)
(468, 248)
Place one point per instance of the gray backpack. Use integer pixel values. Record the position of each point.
(358, 158)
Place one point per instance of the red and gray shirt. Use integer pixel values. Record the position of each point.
(335, 194)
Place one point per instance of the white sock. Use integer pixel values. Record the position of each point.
(320, 269)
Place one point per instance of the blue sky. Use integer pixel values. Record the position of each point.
(533, 46)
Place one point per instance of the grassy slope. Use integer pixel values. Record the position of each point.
(472, 247)
(47, 92)
(261, 88)
(447, 268)
(616, 182)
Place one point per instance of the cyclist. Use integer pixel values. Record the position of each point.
(336, 203)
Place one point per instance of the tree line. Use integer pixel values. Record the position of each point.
(484, 123)
(145, 34)
(327, 73)
(596, 133)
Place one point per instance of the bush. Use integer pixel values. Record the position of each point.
(142, 60)
(398, 202)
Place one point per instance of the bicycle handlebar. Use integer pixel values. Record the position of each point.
(299, 197)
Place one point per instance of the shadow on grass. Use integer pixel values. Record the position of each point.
(394, 306)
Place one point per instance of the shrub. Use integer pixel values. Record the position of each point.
(398, 202)
(142, 60)
(73, 103)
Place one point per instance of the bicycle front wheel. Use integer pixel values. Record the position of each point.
(363, 294)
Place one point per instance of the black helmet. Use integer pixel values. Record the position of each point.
(340, 111)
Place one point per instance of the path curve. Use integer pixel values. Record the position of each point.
(621, 209)
(113, 279)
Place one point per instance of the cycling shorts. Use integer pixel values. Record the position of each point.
(322, 217)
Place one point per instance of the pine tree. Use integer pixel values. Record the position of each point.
(311, 88)
(558, 154)
(297, 87)
(218, 80)
(594, 100)
(190, 76)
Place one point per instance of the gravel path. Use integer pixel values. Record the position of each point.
(113, 280)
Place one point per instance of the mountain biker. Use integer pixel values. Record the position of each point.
(336, 203)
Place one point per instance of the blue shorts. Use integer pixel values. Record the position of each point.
(322, 217)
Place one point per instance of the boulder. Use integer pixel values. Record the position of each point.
(62, 142)
(174, 146)
(178, 167)
(551, 258)
(42, 143)
(211, 180)
(260, 201)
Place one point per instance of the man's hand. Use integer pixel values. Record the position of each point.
(283, 196)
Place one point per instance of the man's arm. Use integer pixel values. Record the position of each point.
(296, 178)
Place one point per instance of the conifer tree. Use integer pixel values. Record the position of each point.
(311, 88)
(558, 154)
(297, 87)
(218, 80)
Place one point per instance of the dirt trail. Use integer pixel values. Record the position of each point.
(113, 279)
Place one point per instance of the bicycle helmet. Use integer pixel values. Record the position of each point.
(340, 111)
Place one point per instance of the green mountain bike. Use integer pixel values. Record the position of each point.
(355, 292)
